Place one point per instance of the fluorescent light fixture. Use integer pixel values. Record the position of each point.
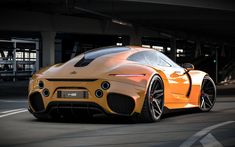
(121, 22)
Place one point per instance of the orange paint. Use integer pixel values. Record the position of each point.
(125, 77)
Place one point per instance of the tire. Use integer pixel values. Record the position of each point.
(153, 106)
(208, 94)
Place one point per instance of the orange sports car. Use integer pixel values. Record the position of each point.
(126, 81)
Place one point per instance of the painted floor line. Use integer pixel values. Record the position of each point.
(13, 110)
(12, 113)
(210, 141)
(13, 101)
(190, 141)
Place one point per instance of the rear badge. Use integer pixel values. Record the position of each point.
(73, 72)
(72, 94)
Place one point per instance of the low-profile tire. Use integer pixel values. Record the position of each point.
(208, 94)
(153, 105)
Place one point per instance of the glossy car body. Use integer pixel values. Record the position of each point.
(127, 73)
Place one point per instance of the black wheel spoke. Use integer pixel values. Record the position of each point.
(208, 99)
(158, 95)
(154, 86)
(157, 107)
(156, 112)
(158, 91)
(202, 103)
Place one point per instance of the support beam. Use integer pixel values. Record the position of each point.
(208, 4)
(48, 48)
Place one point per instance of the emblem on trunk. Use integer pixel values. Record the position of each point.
(73, 72)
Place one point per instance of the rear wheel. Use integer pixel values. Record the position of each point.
(152, 109)
(208, 94)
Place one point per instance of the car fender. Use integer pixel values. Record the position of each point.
(197, 77)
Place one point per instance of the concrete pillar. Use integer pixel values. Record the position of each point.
(173, 49)
(198, 49)
(135, 39)
(216, 64)
(58, 51)
(48, 48)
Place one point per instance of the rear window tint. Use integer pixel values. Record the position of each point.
(89, 56)
(92, 54)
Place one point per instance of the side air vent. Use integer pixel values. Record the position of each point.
(121, 104)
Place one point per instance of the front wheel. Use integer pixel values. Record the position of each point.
(152, 109)
(208, 94)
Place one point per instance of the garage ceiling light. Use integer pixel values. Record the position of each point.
(121, 22)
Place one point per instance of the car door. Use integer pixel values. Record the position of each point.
(179, 80)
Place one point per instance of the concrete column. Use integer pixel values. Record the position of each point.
(216, 64)
(173, 49)
(58, 51)
(135, 39)
(198, 49)
(48, 48)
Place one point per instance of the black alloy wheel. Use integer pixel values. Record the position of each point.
(153, 106)
(208, 94)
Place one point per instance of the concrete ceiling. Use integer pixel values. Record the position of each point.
(206, 18)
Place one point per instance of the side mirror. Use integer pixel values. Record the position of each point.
(188, 66)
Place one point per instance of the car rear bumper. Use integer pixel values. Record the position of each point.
(120, 99)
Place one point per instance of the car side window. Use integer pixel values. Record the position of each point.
(138, 57)
(168, 60)
(151, 58)
(156, 59)
(164, 63)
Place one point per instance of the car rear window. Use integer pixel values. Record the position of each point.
(89, 56)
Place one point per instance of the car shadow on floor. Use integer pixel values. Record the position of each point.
(178, 112)
(103, 119)
(92, 120)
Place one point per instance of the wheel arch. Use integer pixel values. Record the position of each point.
(197, 78)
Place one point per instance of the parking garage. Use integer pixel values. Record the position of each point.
(37, 33)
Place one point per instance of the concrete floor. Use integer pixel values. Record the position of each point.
(20, 128)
